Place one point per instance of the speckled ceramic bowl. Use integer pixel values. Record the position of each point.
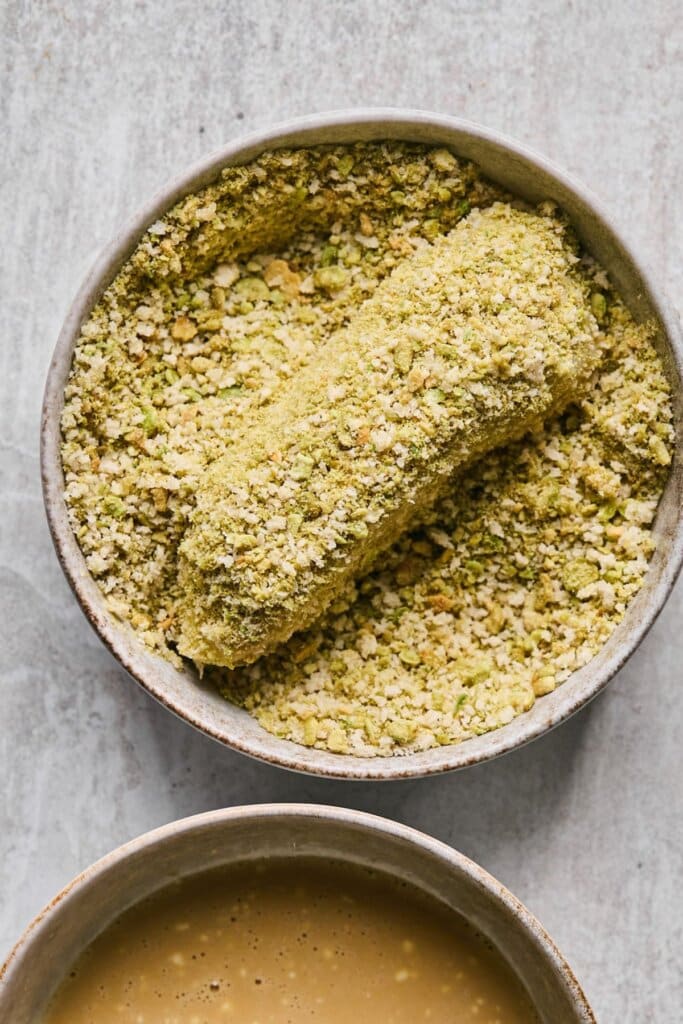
(525, 174)
(60, 933)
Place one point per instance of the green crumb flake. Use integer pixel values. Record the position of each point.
(294, 522)
(449, 352)
(543, 498)
(409, 656)
(431, 228)
(659, 451)
(402, 731)
(211, 323)
(599, 307)
(114, 507)
(329, 255)
(302, 467)
(331, 278)
(253, 289)
(372, 730)
(578, 574)
(477, 672)
(608, 511)
(345, 165)
(435, 396)
(151, 423)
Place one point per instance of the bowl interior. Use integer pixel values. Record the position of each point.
(532, 178)
(103, 892)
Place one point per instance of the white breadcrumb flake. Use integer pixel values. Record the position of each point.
(518, 576)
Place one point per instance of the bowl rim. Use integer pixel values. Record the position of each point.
(456, 862)
(114, 635)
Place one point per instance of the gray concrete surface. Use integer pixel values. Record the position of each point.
(99, 104)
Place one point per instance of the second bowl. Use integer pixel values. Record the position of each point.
(51, 945)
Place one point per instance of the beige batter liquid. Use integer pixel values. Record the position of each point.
(290, 942)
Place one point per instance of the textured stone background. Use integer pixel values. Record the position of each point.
(100, 103)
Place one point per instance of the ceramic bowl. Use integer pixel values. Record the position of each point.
(524, 173)
(67, 925)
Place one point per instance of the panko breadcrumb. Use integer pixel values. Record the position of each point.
(520, 574)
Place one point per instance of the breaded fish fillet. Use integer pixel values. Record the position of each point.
(465, 346)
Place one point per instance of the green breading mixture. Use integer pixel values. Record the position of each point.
(463, 347)
(521, 572)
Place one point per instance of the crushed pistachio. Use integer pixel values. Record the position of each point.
(167, 371)
(578, 574)
(331, 278)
